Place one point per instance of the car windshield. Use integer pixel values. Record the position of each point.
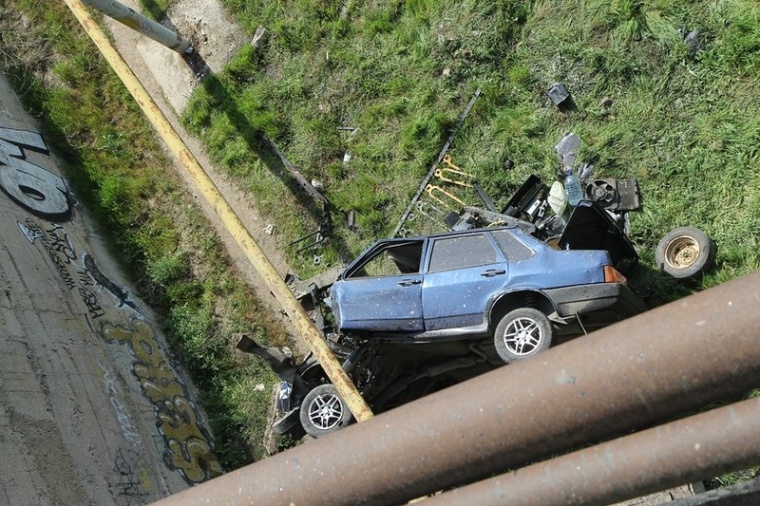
(391, 260)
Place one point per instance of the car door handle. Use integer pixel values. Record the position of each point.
(492, 272)
(409, 282)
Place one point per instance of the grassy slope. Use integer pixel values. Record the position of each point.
(685, 125)
(403, 71)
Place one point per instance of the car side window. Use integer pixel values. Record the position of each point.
(514, 250)
(392, 260)
(462, 252)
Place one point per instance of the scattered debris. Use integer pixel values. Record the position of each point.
(439, 159)
(567, 149)
(558, 94)
(614, 194)
(693, 40)
(269, 229)
(260, 37)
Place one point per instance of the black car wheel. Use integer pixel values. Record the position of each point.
(522, 333)
(323, 411)
(685, 252)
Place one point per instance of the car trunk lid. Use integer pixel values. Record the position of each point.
(590, 227)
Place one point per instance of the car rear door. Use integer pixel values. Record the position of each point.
(461, 274)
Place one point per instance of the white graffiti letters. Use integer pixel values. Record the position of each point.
(29, 185)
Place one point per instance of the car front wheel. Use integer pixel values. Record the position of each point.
(522, 333)
(323, 411)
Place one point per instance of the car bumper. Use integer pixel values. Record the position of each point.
(584, 299)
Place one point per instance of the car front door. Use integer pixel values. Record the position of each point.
(381, 291)
(462, 274)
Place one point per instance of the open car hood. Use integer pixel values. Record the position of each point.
(591, 227)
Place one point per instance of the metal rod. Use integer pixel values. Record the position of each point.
(441, 154)
(688, 450)
(208, 190)
(140, 23)
(667, 361)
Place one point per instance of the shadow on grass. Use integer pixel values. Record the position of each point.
(313, 202)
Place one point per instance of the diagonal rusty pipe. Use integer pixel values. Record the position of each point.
(688, 450)
(670, 360)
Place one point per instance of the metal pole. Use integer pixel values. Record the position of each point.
(232, 222)
(140, 23)
(692, 449)
(667, 361)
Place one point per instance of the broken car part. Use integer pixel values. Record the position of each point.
(558, 94)
(614, 194)
(685, 252)
(567, 149)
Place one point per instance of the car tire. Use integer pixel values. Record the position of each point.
(323, 411)
(522, 333)
(685, 252)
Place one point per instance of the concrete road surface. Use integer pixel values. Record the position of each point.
(92, 408)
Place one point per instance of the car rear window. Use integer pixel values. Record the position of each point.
(514, 250)
(462, 252)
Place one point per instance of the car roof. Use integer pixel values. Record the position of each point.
(476, 230)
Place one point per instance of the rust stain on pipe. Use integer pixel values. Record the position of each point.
(668, 361)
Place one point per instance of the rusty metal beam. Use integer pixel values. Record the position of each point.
(208, 191)
(665, 362)
(688, 450)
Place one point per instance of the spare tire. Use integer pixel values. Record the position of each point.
(685, 252)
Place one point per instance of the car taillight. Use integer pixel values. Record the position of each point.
(611, 275)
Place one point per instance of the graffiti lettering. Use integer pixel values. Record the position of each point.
(189, 449)
(91, 302)
(33, 231)
(187, 443)
(134, 485)
(30, 186)
(122, 415)
(84, 278)
(60, 242)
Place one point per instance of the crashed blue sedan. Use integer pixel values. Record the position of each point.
(501, 283)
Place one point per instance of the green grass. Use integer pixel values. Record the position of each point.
(402, 73)
(683, 122)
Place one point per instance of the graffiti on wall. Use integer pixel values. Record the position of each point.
(111, 314)
(35, 189)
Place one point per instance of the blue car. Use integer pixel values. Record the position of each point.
(501, 282)
(412, 316)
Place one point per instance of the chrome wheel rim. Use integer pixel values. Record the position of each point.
(326, 411)
(522, 336)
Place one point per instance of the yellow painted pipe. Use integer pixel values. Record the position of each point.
(346, 388)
